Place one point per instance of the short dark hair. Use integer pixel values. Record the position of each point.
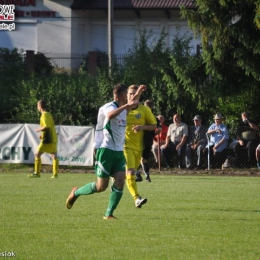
(43, 104)
(119, 88)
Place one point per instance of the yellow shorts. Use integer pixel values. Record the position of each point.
(133, 158)
(47, 148)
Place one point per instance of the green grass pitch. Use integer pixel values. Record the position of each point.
(186, 217)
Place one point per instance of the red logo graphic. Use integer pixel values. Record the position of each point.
(7, 13)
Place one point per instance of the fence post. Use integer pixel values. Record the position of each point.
(29, 60)
(92, 62)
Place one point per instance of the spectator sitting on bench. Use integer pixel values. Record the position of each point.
(248, 139)
(173, 150)
(219, 138)
(197, 140)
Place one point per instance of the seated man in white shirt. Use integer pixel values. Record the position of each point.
(219, 138)
(174, 148)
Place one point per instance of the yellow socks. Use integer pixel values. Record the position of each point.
(38, 166)
(131, 185)
(55, 167)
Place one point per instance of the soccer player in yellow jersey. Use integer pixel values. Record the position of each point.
(48, 142)
(139, 118)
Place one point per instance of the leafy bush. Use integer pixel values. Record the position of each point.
(42, 65)
(12, 72)
(175, 77)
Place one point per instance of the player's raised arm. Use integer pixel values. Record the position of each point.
(126, 106)
(135, 96)
(139, 92)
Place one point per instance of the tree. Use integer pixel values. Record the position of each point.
(42, 65)
(230, 42)
(166, 71)
(185, 77)
(12, 72)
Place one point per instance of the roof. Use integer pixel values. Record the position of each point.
(132, 4)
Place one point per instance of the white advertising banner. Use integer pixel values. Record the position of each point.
(19, 142)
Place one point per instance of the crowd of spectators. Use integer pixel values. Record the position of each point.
(202, 147)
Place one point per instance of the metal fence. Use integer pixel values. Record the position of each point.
(74, 61)
(234, 155)
(238, 155)
(66, 61)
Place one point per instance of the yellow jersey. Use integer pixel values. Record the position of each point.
(49, 135)
(142, 115)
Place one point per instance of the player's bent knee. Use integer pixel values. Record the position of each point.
(101, 188)
(54, 156)
(130, 171)
(119, 183)
(102, 184)
(37, 155)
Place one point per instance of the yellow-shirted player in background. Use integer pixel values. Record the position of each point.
(138, 119)
(48, 142)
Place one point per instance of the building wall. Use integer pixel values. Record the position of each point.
(52, 27)
(45, 27)
(126, 28)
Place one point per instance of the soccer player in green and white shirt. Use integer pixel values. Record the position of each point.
(109, 142)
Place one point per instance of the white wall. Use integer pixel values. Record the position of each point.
(124, 35)
(41, 33)
(23, 37)
(75, 32)
(98, 36)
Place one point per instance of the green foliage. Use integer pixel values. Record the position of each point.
(12, 71)
(257, 15)
(233, 106)
(25, 100)
(141, 60)
(69, 97)
(223, 78)
(151, 64)
(186, 78)
(230, 47)
(73, 99)
(102, 62)
(42, 65)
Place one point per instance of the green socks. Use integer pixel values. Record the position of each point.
(86, 190)
(114, 199)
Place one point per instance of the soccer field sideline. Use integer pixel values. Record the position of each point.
(186, 217)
